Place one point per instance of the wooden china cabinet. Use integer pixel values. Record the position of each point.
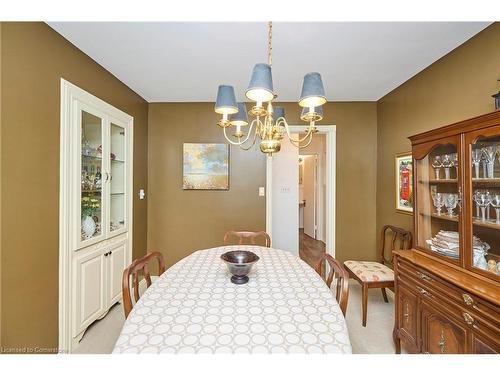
(448, 286)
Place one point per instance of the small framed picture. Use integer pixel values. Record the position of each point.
(206, 166)
(404, 183)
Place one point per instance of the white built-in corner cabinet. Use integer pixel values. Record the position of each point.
(95, 210)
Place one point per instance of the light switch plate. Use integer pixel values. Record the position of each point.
(285, 190)
(262, 191)
(142, 194)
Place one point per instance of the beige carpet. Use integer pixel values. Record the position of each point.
(375, 338)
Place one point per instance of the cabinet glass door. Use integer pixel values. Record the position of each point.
(439, 200)
(485, 200)
(91, 191)
(117, 177)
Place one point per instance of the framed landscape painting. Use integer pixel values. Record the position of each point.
(206, 166)
(404, 184)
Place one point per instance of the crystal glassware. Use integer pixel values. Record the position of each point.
(437, 163)
(450, 202)
(483, 200)
(86, 148)
(495, 203)
(478, 210)
(438, 200)
(476, 161)
(447, 164)
(454, 160)
(489, 153)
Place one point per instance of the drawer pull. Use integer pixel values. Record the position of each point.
(469, 301)
(469, 320)
(423, 276)
(424, 292)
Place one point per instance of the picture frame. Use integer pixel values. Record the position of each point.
(404, 183)
(205, 166)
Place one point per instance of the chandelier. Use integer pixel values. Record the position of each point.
(269, 123)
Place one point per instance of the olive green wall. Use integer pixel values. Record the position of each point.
(180, 222)
(33, 60)
(456, 87)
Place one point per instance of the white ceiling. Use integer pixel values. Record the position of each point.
(185, 62)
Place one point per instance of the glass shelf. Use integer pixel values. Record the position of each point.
(440, 181)
(476, 221)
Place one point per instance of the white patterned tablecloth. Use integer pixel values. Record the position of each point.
(194, 308)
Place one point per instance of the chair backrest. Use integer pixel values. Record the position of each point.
(139, 266)
(247, 235)
(400, 239)
(341, 277)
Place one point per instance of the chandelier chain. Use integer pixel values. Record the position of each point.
(270, 44)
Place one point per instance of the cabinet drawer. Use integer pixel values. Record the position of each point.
(433, 296)
(467, 301)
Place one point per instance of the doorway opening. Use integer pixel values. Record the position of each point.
(283, 199)
(312, 197)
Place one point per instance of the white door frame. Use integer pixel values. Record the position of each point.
(331, 143)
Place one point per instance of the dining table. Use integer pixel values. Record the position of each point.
(193, 307)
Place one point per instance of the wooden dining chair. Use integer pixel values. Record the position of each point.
(139, 267)
(247, 235)
(379, 274)
(341, 277)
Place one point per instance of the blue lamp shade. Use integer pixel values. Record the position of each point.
(226, 100)
(240, 118)
(315, 115)
(278, 112)
(260, 88)
(313, 92)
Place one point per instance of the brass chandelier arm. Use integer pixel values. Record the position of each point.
(307, 144)
(240, 142)
(253, 142)
(282, 121)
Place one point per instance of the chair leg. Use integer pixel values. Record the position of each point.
(365, 303)
(384, 294)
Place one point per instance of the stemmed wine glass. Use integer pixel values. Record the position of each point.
(476, 160)
(450, 203)
(437, 164)
(495, 203)
(438, 200)
(498, 153)
(483, 200)
(454, 160)
(489, 153)
(447, 164)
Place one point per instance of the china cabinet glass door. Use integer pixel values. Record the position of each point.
(117, 177)
(484, 214)
(439, 199)
(92, 127)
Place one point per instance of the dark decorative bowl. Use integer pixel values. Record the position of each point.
(239, 263)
